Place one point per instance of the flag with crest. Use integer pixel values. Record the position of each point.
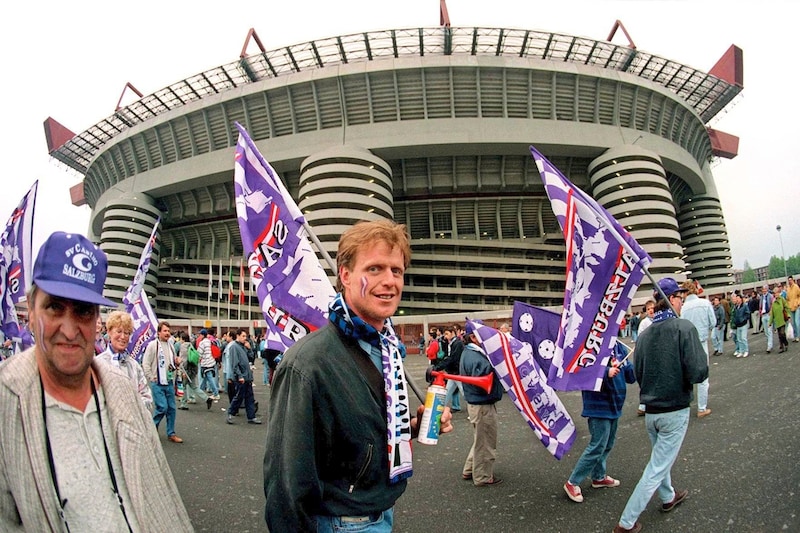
(605, 266)
(292, 287)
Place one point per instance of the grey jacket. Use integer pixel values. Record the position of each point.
(28, 499)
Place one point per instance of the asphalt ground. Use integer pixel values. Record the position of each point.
(740, 464)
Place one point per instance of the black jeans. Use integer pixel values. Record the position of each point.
(244, 395)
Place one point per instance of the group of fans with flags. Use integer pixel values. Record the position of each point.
(340, 421)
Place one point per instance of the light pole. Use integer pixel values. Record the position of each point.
(783, 257)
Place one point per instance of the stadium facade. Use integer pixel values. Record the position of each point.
(430, 127)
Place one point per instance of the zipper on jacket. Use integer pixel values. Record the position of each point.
(363, 470)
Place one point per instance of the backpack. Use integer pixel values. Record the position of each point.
(192, 356)
(216, 350)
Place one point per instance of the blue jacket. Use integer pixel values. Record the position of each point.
(608, 401)
(475, 363)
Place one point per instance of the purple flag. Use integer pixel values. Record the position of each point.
(605, 265)
(527, 387)
(135, 289)
(16, 265)
(144, 326)
(537, 327)
(292, 287)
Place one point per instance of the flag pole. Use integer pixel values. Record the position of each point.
(622, 242)
(230, 285)
(322, 251)
(219, 298)
(210, 286)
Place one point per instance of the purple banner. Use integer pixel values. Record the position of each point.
(539, 328)
(16, 265)
(132, 294)
(144, 326)
(292, 287)
(527, 387)
(605, 265)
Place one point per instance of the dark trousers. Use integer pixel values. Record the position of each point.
(244, 395)
(230, 390)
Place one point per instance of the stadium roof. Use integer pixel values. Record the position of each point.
(704, 92)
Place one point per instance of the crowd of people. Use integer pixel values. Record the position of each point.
(340, 422)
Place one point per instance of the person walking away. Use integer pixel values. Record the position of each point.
(717, 335)
(602, 410)
(700, 312)
(793, 299)
(450, 364)
(740, 316)
(189, 368)
(779, 317)
(243, 378)
(482, 411)
(669, 360)
(208, 365)
(764, 309)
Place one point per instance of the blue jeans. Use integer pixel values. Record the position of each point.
(592, 462)
(190, 390)
(716, 339)
(209, 381)
(164, 402)
(666, 432)
(741, 339)
(451, 399)
(767, 330)
(381, 523)
(795, 316)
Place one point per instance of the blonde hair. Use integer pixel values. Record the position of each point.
(368, 233)
(121, 320)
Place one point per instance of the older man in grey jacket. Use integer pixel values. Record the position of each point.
(80, 452)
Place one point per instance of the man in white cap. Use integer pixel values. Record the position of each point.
(80, 452)
(669, 361)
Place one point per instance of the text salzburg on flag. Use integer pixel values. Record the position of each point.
(605, 266)
(292, 287)
(526, 385)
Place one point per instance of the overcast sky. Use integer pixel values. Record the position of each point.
(71, 61)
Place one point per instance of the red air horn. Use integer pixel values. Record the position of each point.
(437, 378)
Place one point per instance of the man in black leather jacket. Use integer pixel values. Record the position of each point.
(340, 400)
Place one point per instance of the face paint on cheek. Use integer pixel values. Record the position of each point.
(40, 332)
(363, 286)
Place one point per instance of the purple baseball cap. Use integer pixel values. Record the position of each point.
(71, 266)
(669, 286)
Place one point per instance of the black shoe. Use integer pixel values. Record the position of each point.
(229, 419)
(183, 408)
(254, 421)
(209, 402)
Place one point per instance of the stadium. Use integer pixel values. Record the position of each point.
(430, 127)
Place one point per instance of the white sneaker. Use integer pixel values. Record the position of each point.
(745, 354)
(737, 354)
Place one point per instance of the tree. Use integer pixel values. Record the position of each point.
(748, 275)
(775, 268)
